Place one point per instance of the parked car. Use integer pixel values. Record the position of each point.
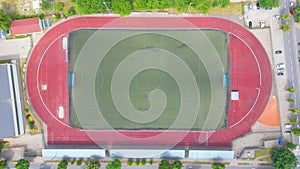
(262, 24)
(276, 17)
(280, 74)
(257, 5)
(291, 3)
(280, 65)
(250, 7)
(280, 70)
(288, 126)
(287, 132)
(298, 43)
(267, 8)
(250, 24)
(278, 52)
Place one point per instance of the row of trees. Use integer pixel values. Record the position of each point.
(294, 111)
(268, 3)
(296, 10)
(125, 7)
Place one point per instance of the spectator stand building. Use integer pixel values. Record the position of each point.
(11, 117)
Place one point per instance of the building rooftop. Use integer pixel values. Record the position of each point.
(25, 26)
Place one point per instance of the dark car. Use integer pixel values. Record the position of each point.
(280, 74)
(278, 52)
(250, 24)
(298, 43)
(257, 5)
(267, 8)
(298, 52)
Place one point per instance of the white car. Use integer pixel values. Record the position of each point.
(280, 70)
(262, 24)
(288, 126)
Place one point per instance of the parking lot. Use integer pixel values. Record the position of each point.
(257, 15)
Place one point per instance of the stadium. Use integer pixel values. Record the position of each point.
(148, 81)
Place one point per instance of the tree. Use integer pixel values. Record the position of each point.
(291, 89)
(177, 165)
(283, 159)
(291, 146)
(92, 164)
(140, 4)
(294, 121)
(116, 164)
(296, 131)
(143, 162)
(268, 3)
(285, 27)
(164, 164)
(130, 162)
(297, 18)
(90, 6)
(70, 12)
(122, 7)
(63, 164)
(216, 165)
(294, 110)
(57, 16)
(151, 162)
(203, 5)
(286, 16)
(225, 3)
(59, 6)
(3, 164)
(46, 5)
(296, 9)
(5, 20)
(22, 164)
(137, 162)
(78, 163)
(290, 100)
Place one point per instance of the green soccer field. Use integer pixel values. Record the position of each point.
(148, 79)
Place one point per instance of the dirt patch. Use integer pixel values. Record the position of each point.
(270, 116)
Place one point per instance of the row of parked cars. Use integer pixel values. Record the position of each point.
(261, 24)
(280, 69)
(288, 128)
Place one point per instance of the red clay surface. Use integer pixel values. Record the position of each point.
(250, 74)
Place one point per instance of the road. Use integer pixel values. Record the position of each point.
(124, 166)
(292, 65)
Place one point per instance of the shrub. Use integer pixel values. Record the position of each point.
(143, 162)
(129, 162)
(57, 16)
(290, 100)
(151, 162)
(72, 162)
(137, 162)
(78, 162)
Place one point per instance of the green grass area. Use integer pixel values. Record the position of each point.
(160, 51)
(263, 154)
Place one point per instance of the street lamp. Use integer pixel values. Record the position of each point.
(186, 12)
(104, 3)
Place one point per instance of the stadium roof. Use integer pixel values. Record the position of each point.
(147, 153)
(211, 154)
(11, 122)
(73, 153)
(25, 26)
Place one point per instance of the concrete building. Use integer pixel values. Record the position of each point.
(11, 117)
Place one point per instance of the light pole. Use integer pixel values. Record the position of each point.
(186, 12)
(104, 3)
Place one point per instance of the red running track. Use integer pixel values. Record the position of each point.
(250, 73)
